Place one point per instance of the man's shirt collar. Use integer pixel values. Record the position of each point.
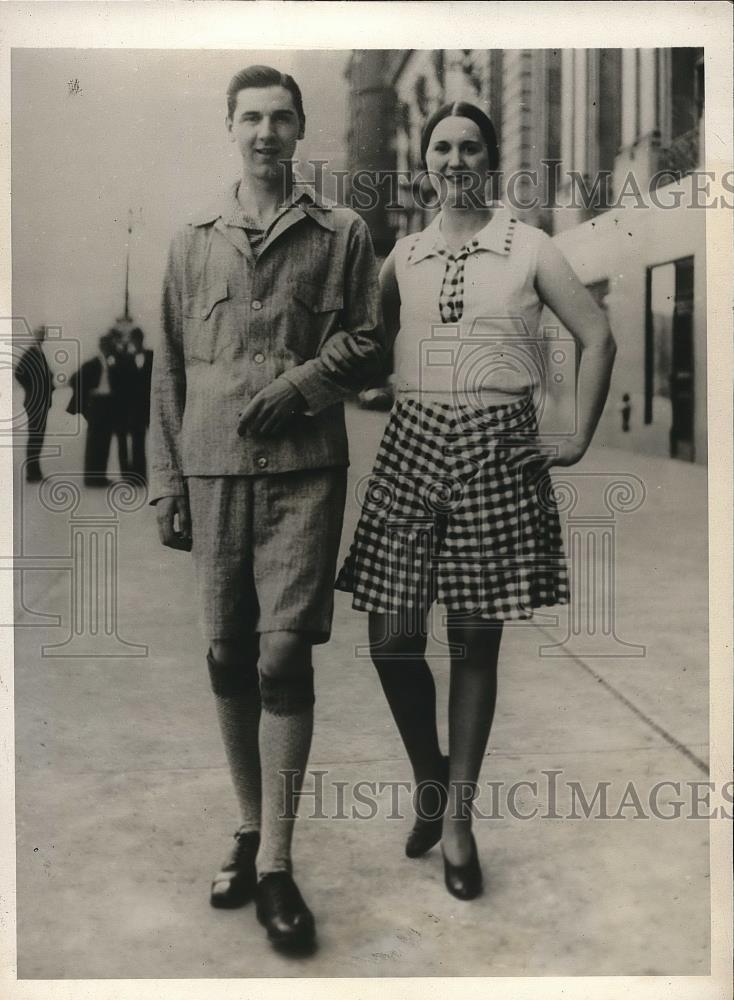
(302, 196)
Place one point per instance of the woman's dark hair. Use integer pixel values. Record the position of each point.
(264, 76)
(462, 109)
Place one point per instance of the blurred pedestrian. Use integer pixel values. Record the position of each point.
(34, 375)
(91, 395)
(138, 400)
(459, 509)
(121, 375)
(626, 412)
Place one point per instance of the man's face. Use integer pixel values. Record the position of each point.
(266, 128)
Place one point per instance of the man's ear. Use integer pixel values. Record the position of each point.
(302, 130)
(228, 126)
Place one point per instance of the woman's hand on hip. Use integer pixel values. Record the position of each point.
(569, 452)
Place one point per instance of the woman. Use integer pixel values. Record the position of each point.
(459, 508)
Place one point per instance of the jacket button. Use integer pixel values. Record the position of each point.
(262, 462)
(259, 358)
(257, 305)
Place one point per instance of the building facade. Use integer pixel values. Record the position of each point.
(598, 147)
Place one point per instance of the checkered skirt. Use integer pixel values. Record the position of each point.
(456, 512)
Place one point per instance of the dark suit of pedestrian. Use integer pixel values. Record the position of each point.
(121, 377)
(92, 396)
(34, 376)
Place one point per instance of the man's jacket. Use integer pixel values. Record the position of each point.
(139, 386)
(232, 323)
(84, 383)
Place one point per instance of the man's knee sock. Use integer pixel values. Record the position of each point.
(285, 740)
(237, 698)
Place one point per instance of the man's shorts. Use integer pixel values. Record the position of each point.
(265, 551)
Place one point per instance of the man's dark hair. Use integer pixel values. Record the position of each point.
(462, 109)
(264, 76)
(136, 336)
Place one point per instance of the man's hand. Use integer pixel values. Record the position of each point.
(174, 522)
(347, 355)
(270, 411)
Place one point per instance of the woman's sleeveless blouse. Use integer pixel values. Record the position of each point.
(469, 319)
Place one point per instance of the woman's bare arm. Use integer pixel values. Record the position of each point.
(342, 353)
(559, 288)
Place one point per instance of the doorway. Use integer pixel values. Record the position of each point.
(669, 355)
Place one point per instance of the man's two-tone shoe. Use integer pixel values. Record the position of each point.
(236, 881)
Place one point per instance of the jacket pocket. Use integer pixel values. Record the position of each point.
(316, 317)
(207, 322)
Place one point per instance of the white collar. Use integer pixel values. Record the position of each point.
(495, 236)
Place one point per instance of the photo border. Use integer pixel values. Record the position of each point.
(416, 26)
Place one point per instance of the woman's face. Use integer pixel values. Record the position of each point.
(457, 156)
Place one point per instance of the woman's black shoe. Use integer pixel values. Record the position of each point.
(464, 881)
(234, 885)
(433, 797)
(282, 911)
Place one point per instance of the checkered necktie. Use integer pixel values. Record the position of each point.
(451, 297)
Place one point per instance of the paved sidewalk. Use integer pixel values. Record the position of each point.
(124, 806)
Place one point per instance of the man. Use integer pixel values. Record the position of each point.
(121, 379)
(92, 395)
(250, 457)
(36, 380)
(137, 404)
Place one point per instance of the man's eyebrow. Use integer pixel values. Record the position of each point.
(281, 112)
